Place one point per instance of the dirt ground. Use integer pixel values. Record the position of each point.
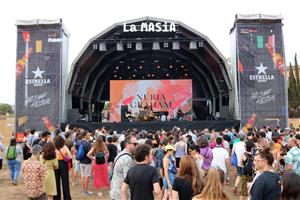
(9, 191)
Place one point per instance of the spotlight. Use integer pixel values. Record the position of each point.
(167, 75)
(193, 45)
(95, 46)
(149, 75)
(171, 66)
(176, 45)
(120, 46)
(117, 67)
(139, 45)
(182, 66)
(102, 46)
(133, 75)
(129, 45)
(152, 75)
(128, 67)
(141, 67)
(158, 66)
(115, 76)
(155, 46)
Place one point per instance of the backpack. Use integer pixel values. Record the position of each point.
(11, 153)
(80, 153)
(248, 165)
(100, 158)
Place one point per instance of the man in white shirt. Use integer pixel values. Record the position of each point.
(220, 157)
(239, 149)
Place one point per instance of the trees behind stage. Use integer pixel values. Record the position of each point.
(294, 90)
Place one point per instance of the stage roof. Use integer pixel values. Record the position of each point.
(102, 59)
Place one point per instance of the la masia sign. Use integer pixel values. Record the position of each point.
(150, 27)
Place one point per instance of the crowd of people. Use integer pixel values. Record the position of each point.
(174, 164)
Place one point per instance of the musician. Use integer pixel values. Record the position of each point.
(179, 115)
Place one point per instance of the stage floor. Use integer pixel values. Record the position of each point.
(156, 125)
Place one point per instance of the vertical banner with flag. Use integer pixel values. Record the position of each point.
(38, 76)
(261, 75)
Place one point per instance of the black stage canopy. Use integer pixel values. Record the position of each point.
(150, 48)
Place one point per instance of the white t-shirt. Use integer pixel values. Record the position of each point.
(219, 156)
(239, 149)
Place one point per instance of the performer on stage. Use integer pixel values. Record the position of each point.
(179, 115)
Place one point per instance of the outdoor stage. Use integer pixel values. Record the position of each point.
(156, 125)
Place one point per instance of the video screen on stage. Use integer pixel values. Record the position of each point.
(149, 100)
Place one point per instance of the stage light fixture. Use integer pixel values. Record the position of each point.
(155, 46)
(117, 67)
(201, 44)
(141, 67)
(171, 66)
(128, 67)
(158, 66)
(120, 46)
(129, 45)
(193, 45)
(95, 46)
(167, 75)
(102, 46)
(182, 66)
(175, 45)
(139, 46)
(133, 75)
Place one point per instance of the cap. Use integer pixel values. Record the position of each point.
(169, 147)
(36, 149)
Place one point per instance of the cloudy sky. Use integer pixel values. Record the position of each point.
(85, 19)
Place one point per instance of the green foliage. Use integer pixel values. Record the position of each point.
(5, 108)
(293, 91)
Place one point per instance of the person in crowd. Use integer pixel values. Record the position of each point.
(213, 189)
(266, 184)
(38, 139)
(45, 138)
(14, 158)
(248, 171)
(62, 174)
(188, 181)
(181, 150)
(113, 151)
(99, 154)
(68, 140)
(49, 160)
(158, 160)
(193, 151)
(34, 174)
(123, 162)
(1, 150)
(205, 151)
(292, 159)
(220, 157)
(29, 141)
(290, 186)
(142, 179)
(239, 149)
(26, 149)
(85, 163)
(77, 136)
(170, 170)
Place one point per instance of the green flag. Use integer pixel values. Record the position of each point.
(260, 41)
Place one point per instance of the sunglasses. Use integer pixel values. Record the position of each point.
(134, 144)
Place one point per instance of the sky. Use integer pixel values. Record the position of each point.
(85, 19)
